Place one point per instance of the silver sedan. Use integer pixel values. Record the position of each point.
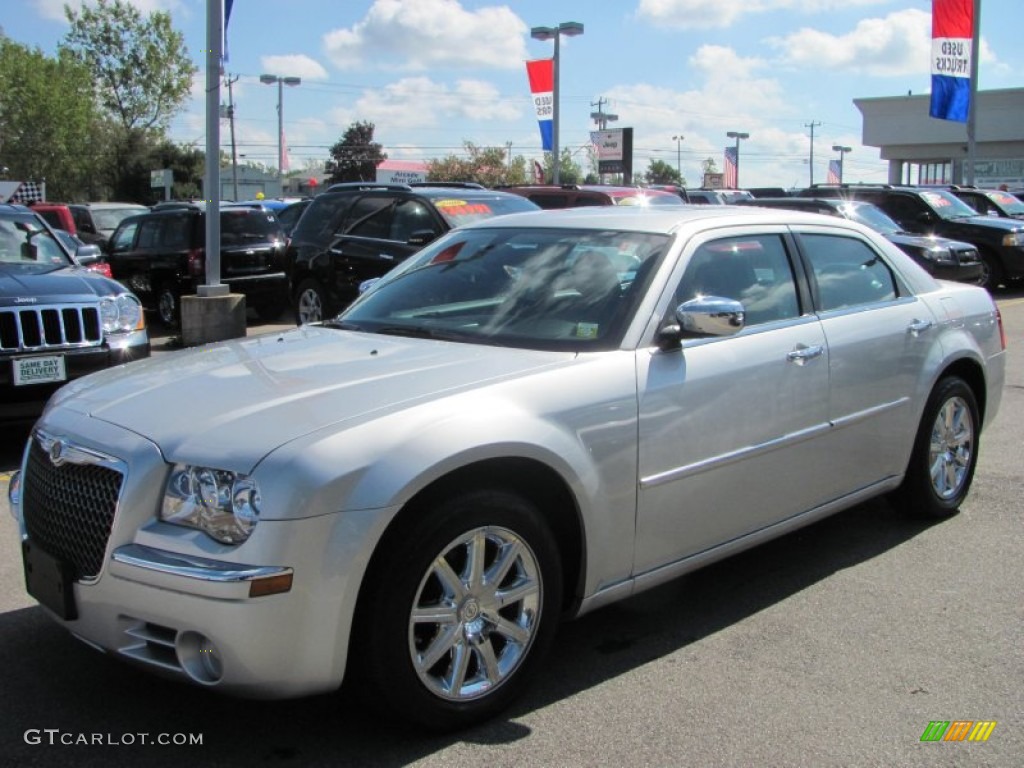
(531, 418)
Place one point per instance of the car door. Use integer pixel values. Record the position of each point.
(878, 337)
(730, 427)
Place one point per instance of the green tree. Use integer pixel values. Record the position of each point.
(47, 120)
(660, 172)
(142, 75)
(569, 171)
(356, 156)
(489, 166)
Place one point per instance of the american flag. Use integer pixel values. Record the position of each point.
(730, 168)
(835, 172)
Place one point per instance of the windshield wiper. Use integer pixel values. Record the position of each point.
(419, 332)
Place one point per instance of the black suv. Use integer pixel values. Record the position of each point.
(354, 232)
(942, 258)
(58, 320)
(161, 256)
(930, 211)
(991, 202)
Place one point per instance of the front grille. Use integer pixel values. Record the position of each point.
(33, 329)
(69, 508)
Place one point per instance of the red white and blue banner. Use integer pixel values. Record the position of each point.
(542, 85)
(952, 36)
(835, 172)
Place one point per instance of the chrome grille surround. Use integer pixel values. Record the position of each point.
(50, 327)
(69, 499)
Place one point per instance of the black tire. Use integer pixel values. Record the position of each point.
(945, 452)
(992, 274)
(310, 302)
(168, 306)
(463, 616)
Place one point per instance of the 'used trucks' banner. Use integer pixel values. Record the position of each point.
(542, 85)
(952, 34)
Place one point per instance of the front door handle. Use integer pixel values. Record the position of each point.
(803, 353)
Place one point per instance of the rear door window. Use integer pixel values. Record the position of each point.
(848, 272)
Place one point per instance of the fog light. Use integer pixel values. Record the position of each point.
(199, 658)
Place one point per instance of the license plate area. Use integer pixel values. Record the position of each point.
(49, 580)
(39, 370)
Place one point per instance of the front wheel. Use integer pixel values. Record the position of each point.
(992, 275)
(945, 451)
(458, 609)
(310, 302)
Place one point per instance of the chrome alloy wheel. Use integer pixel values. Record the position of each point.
(951, 448)
(475, 614)
(310, 306)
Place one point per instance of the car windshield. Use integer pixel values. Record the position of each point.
(555, 289)
(27, 246)
(1007, 202)
(947, 205)
(645, 198)
(870, 216)
(459, 211)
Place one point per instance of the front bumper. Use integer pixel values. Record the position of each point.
(26, 403)
(172, 600)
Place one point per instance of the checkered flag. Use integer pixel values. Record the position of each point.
(29, 192)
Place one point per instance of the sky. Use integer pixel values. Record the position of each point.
(434, 74)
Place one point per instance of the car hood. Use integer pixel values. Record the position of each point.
(927, 241)
(228, 405)
(64, 285)
(992, 222)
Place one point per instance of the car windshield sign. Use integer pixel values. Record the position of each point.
(553, 289)
(948, 206)
(461, 211)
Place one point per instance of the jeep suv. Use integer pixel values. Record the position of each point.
(356, 231)
(930, 211)
(58, 320)
(942, 258)
(161, 256)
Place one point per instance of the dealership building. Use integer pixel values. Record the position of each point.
(923, 150)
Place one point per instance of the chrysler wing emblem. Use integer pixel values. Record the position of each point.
(57, 453)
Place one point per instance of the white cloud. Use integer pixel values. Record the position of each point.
(419, 34)
(293, 65)
(704, 14)
(898, 44)
(421, 102)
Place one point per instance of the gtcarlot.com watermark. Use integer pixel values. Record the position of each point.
(56, 737)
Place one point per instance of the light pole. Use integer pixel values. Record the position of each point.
(569, 29)
(679, 157)
(738, 135)
(281, 82)
(842, 151)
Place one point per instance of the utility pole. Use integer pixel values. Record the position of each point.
(812, 126)
(231, 123)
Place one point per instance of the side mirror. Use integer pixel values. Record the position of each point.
(712, 316)
(925, 217)
(88, 254)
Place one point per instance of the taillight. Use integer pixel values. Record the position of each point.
(196, 262)
(102, 267)
(1002, 329)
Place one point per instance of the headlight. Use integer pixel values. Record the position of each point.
(1013, 239)
(120, 314)
(224, 505)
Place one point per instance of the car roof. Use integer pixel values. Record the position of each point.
(658, 219)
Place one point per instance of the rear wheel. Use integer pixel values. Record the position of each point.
(310, 302)
(458, 609)
(168, 306)
(945, 451)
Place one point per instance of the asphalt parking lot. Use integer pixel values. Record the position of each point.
(834, 646)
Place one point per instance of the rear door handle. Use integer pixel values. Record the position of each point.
(803, 353)
(917, 327)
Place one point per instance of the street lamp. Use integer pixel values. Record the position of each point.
(281, 82)
(842, 151)
(569, 29)
(679, 162)
(738, 136)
